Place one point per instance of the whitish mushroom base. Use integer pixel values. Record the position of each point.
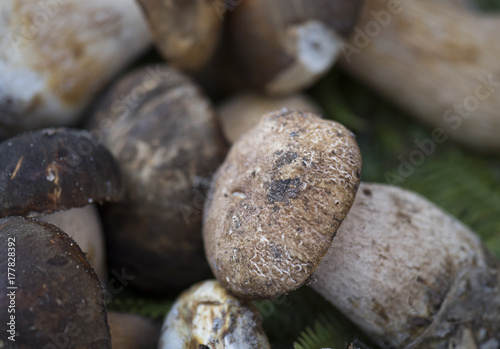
(410, 275)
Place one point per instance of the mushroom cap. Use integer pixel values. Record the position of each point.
(55, 169)
(207, 316)
(277, 201)
(165, 137)
(59, 298)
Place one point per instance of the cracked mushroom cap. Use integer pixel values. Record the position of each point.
(55, 169)
(59, 301)
(277, 202)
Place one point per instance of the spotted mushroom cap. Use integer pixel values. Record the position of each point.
(277, 202)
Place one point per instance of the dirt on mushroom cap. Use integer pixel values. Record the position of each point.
(277, 201)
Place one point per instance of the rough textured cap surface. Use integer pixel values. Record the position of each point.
(277, 201)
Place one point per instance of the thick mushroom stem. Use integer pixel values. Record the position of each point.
(410, 275)
(185, 32)
(239, 113)
(130, 331)
(435, 59)
(84, 226)
(283, 47)
(55, 55)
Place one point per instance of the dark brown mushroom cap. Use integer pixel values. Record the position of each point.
(59, 301)
(259, 30)
(55, 169)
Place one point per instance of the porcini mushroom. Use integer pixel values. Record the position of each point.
(410, 275)
(55, 55)
(283, 47)
(435, 59)
(241, 112)
(185, 32)
(277, 201)
(164, 134)
(51, 296)
(59, 169)
(207, 316)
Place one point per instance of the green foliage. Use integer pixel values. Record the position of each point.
(131, 303)
(286, 317)
(328, 332)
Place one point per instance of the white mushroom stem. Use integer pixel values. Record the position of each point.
(56, 54)
(243, 111)
(410, 275)
(436, 59)
(84, 226)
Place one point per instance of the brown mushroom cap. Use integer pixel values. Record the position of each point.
(59, 300)
(55, 169)
(168, 144)
(268, 38)
(277, 202)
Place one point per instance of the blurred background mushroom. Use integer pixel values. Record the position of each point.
(282, 47)
(131, 331)
(166, 139)
(186, 33)
(240, 112)
(436, 59)
(55, 56)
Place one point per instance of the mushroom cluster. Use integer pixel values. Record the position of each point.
(136, 178)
